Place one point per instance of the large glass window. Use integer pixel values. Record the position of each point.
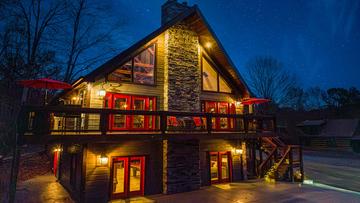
(211, 79)
(140, 69)
(223, 86)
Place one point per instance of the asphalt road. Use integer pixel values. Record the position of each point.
(333, 168)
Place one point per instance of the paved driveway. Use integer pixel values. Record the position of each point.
(339, 169)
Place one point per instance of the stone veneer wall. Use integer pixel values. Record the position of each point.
(184, 81)
(181, 162)
(181, 166)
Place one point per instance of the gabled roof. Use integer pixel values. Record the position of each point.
(334, 127)
(194, 18)
(311, 123)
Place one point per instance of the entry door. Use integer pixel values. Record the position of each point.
(127, 175)
(220, 167)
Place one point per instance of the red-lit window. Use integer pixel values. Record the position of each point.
(220, 123)
(128, 102)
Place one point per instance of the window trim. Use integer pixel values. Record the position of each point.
(204, 56)
(131, 58)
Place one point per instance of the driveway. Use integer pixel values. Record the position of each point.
(259, 192)
(339, 169)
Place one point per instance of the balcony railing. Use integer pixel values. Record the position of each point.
(62, 120)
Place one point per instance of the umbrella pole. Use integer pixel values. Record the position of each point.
(46, 95)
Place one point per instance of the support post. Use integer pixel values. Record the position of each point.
(163, 120)
(14, 168)
(301, 163)
(291, 165)
(104, 122)
(209, 123)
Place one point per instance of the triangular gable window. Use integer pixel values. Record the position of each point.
(140, 69)
(211, 79)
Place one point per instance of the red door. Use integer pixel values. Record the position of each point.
(56, 163)
(127, 177)
(220, 167)
(143, 104)
(121, 102)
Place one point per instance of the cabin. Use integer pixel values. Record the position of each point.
(330, 134)
(169, 114)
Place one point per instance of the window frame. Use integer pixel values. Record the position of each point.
(204, 56)
(131, 58)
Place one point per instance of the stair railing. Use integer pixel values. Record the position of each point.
(268, 162)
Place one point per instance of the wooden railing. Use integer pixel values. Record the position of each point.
(63, 120)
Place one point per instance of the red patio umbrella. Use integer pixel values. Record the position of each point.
(250, 101)
(45, 83)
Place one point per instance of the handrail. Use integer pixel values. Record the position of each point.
(283, 157)
(160, 120)
(269, 157)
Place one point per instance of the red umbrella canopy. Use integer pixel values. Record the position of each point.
(255, 101)
(45, 83)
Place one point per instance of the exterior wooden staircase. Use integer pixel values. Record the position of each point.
(283, 162)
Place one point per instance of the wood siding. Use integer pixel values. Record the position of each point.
(98, 177)
(156, 90)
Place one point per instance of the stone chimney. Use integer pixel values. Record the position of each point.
(170, 9)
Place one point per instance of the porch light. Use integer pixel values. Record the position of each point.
(57, 149)
(208, 45)
(238, 151)
(101, 93)
(102, 160)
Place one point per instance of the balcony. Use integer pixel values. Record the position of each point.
(64, 123)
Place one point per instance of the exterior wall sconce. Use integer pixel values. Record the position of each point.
(57, 149)
(208, 45)
(101, 93)
(238, 151)
(102, 160)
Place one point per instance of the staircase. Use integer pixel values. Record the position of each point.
(283, 162)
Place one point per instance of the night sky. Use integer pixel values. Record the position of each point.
(319, 40)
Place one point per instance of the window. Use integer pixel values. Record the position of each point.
(211, 79)
(140, 69)
(223, 86)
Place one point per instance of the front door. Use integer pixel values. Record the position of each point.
(127, 175)
(220, 167)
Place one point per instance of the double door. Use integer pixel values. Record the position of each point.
(220, 167)
(127, 176)
(220, 123)
(129, 102)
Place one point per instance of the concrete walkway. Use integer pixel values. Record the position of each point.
(46, 189)
(42, 189)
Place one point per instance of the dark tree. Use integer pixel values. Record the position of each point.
(268, 79)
